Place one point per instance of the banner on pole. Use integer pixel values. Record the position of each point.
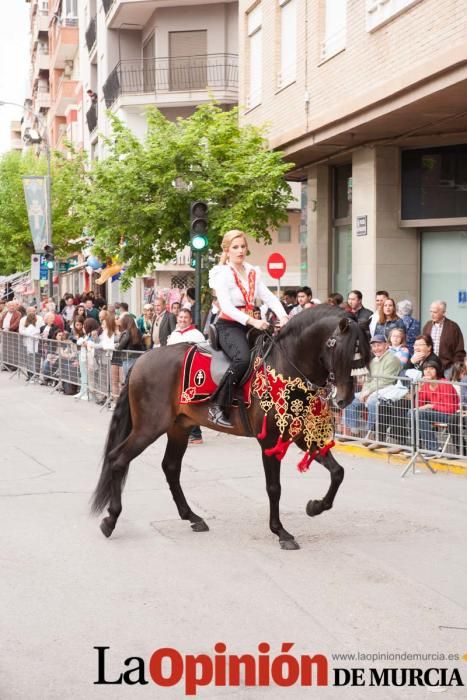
(35, 192)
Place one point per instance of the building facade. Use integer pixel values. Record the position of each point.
(368, 99)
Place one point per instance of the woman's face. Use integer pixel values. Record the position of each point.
(81, 310)
(237, 251)
(78, 326)
(421, 348)
(388, 308)
(430, 373)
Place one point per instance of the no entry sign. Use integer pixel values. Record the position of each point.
(276, 265)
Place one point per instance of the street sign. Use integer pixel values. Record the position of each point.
(276, 265)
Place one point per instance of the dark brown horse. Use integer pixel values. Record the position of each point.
(322, 345)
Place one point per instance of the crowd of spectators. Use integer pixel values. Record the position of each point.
(89, 330)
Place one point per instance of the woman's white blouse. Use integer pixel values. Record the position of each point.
(229, 296)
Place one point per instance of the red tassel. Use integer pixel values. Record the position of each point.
(264, 432)
(324, 450)
(279, 450)
(306, 460)
(304, 463)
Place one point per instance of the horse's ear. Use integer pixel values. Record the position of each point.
(344, 324)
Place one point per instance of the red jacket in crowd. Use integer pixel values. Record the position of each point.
(443, 397)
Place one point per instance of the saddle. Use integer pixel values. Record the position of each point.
(204, 366)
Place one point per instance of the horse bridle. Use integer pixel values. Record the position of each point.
(329, 387)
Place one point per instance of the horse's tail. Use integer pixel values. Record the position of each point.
(120, 428)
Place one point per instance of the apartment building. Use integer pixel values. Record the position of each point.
(368, 99)
(55, 92)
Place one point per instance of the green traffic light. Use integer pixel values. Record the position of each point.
(50, 264)
(199, 242)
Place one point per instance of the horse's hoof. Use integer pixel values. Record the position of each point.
(314, 508)
(106, 528)
(289, 544)
(200, 526)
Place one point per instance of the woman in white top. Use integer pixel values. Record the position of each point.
(237, 285)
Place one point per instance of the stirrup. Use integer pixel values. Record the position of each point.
(216, 416)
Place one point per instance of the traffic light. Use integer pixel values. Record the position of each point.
(199, 227)
(49, 256)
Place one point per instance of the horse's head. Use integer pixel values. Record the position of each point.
(345, 355)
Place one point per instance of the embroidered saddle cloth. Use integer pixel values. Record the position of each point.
(203, 368)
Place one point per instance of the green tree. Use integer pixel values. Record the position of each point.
(139, 197)
(68, 190)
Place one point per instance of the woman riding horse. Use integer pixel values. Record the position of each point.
(237, 284)
(314, 355)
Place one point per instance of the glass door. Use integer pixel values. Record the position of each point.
(444, 274)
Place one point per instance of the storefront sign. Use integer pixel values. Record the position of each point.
(361, 227)
(462, 296)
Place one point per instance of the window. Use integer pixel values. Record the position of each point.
(434, 183)
(284, 234)
(335, 25)
(255, 40)
(378, 12)
(288, 19)
(188, 60)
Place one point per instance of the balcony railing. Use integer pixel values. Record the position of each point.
(107, 5)
(91, 34)
(166, 75)
(91, 118)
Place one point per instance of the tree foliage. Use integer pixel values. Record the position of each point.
(138, 214)
(68, 190)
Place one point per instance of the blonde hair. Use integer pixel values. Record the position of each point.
(227, 242)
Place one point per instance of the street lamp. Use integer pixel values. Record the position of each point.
(37, 138)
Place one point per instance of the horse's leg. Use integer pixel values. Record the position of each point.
(177, 441)
(119, 461)
(272, 470)
(337, 475)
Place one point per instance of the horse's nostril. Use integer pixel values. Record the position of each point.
(341, 403)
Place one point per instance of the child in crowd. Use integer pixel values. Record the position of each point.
(398, 346)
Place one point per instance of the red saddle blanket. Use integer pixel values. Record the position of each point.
(197, 383)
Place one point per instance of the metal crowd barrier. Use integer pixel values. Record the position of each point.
(393, 416)
(88, 370)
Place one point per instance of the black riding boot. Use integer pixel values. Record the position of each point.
(222, 400)
(217, 416)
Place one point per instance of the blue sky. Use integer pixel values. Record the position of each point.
(14, 63)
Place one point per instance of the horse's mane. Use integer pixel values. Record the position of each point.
(328, 316)
(305, 318)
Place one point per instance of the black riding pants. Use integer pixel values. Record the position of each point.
(232, 340)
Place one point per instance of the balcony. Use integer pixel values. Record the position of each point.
(41, 100)
(65, 42)
(40, 61)
(65, 96)
(40, 23)
(91, 34)
(130, 14)
(185, 80)
(91, 118)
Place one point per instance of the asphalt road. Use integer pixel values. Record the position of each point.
(384, 571)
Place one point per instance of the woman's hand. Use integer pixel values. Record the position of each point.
(258, 323)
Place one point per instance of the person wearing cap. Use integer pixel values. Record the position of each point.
(438, 402)
(384, 368)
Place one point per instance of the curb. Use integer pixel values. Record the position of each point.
(437, 465)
